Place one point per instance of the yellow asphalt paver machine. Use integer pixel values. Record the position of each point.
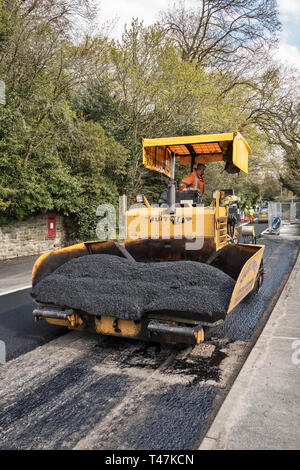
(179, 268)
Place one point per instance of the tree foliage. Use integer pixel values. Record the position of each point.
(79, 103)
(50, 158)
(221, 32)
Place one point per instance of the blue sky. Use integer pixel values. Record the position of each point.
(290, 36)
(124, 10)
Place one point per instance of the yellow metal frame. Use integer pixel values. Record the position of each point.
(247, 278)
(161, 161)
(73, 322)
(56, 321)
(240, 152)
(106, 326)
(80, 247)
(199, 336)
(191, 139)
(221, 224)
(157, 223)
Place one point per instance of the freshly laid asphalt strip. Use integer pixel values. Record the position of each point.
(113, 286)
(241, 322)
(84, 391)
(18, 329)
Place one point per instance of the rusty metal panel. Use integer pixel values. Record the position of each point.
(247, 278)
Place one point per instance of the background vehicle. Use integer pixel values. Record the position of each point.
(262, 215)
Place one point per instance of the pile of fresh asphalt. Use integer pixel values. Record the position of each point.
(114, 286)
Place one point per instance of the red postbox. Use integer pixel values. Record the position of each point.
(51, 225)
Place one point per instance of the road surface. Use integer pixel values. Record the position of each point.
(18, 329)
(15, 273)
(90, 392)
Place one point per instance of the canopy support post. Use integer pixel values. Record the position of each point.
(172, 187)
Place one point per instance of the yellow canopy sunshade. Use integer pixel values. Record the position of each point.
(231, 147)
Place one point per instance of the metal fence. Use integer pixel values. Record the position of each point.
(288, 212)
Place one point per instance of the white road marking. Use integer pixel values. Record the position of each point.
(15, 290)
(292, 338)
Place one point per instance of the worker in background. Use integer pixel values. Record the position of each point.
(225, 202)
(194, 180)
(246, 213)
(251, 215)
(231, 201)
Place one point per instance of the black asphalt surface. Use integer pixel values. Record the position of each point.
(259, 228)
(18, 329)
(89, 392)
(279, 256)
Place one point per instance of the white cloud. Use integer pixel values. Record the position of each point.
(290, 54)
(289, 50)
(289, 8)
(148, 11)
(125, 10)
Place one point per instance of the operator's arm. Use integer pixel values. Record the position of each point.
(186, 182)
(182, 186)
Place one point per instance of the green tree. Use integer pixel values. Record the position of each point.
(151, 92)
(50, 159)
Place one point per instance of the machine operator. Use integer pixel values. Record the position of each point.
(194, 180)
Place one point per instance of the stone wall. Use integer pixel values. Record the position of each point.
(30, 237)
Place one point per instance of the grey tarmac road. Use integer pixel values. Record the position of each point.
(87, 392)
(18, 329)
(15, 273)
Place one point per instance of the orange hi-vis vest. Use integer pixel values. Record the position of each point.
(194, 181)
